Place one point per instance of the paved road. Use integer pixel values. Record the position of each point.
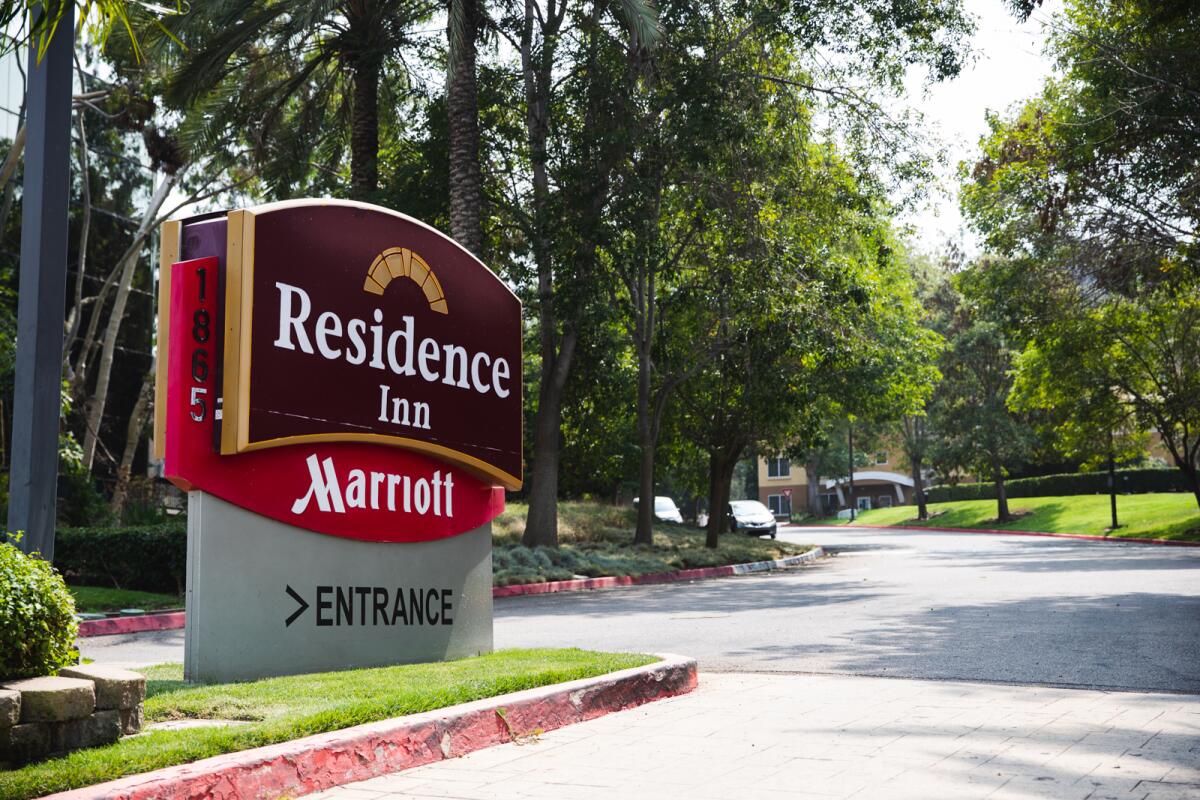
(899, 603)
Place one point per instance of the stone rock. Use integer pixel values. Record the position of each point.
(54, 699)
(10, 708)
(131, 720)
(103, 727)
(115, 688)
(22, 743)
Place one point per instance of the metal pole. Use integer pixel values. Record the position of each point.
(42, 294)
(1112, 481)
(853, 501)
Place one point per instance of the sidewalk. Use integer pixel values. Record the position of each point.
(750, 736)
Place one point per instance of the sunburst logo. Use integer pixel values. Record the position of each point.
(400, 262)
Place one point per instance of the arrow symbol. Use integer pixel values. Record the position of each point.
(303, 607)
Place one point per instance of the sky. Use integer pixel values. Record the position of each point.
(1008, 67)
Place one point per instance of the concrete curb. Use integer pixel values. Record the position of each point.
(176, 619)
(996, 531)
(586, 584)
(320, 762)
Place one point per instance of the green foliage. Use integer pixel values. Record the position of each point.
(37, 617)
(282, 709)
(1129, 481)
(150, 557)
(79, 501)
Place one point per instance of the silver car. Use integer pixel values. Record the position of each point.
(752, 517)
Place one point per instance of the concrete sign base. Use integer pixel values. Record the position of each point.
(265, 598)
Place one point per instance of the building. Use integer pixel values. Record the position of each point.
(783, 486)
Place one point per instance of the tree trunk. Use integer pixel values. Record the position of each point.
(644, 534)
(1002, 514)
(812, 491)
(721, 466)
(133, 438)
(716, 503)
(9, 169)
(76, 313)
(95, 404)
(462, 109)
(541, 525)
(364, 128)
(919, 487)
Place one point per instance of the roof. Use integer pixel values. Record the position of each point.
(872, 475)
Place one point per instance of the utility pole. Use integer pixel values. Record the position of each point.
(850, 443)
(42, 297)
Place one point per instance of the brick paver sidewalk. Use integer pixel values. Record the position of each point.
(749, 736)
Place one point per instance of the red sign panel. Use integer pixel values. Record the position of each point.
(350, 323)
(352, 489)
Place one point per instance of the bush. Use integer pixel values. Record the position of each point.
(152, 558)
(1129, 481)
(37, 617)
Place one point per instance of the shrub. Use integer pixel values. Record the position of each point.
(37, 617)
(152, 558)
(1129, 481)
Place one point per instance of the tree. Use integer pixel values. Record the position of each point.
(561, 217)
(1088, 191)
(977, 432)
(1119, 368)
(297, 82)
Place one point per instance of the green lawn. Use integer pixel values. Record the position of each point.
(595, 541)
(280, 709)
(103, 598)
(1145, 516)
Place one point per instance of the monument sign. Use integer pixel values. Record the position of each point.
(339, 392)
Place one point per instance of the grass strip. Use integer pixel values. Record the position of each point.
(98, 599)
(595, 541)
(1173, 516)
(281, 709)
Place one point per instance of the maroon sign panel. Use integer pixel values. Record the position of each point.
(346, 322)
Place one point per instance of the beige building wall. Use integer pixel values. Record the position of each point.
(775, 482)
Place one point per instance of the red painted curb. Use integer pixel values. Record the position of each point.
(315, 763)
(995, 531)
(142, 622)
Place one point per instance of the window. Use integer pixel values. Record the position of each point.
(881, 458)
(780, 505)
(884, 501)
(864, 504)
(779, 467)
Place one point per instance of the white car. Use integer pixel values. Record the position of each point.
(665, 510)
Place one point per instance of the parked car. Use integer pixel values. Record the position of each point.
(665, 510)
(752, 517)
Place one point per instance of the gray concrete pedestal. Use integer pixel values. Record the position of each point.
(265, 598)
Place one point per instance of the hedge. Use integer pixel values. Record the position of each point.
(152, 558)
(1129, 481)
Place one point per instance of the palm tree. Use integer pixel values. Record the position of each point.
(462, 110)
(291, 78)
